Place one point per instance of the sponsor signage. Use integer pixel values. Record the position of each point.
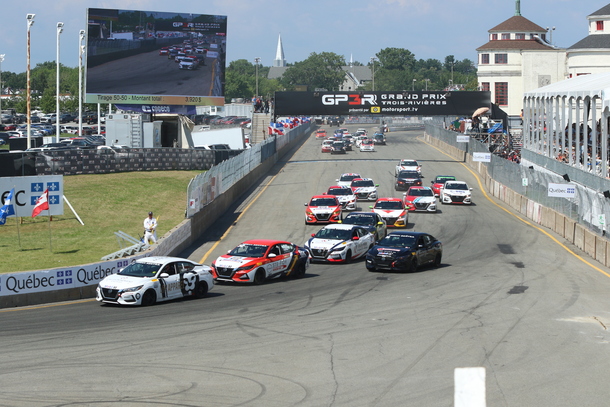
(29, 189)
(462, 139)
(396, 103)
(483, 157)
(170, 109)
(562, 190)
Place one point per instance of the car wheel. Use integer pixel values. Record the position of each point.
(437, 260)
(201, 290)
(149, 298)
(259, 277)
(348, 257)
(300, 270)
(413, 266)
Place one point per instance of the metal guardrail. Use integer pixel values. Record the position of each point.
(123, 238)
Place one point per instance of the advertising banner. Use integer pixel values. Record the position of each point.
(29, 189)
(562, 190)
(396, 103)
(483, 157)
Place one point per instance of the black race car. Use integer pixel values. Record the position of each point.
(406, 179)
(404, 251)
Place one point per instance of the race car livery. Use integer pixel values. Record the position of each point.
(345, 195)
(379, 139)
(340, 243)
(439, 182)
(322, 209)
(406, 179)
(153, 279)
(393, 211)
(404, 251)
(255, 261)
(411, 165)
(371, 221)
(456, 192)
(364, 189)
(338, 147)
(367, 145)
(321, 134)
(327, 146)
(420, 199)
(346, 179)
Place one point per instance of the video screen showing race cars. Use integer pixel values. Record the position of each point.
(155, 58)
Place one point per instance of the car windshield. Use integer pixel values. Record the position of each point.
(249, 250)
(340, 191)
(140, 270)
(442, 180)
(389, 205)
(338, 144)
(349, 177)
(457, 186)
(397, 241)
(363, 183)
(420, 192)
(323, 202)
(360, 219)
(408, 163)
(408, 174)
(335, 234)
(367, 142)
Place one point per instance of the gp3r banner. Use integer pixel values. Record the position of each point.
(396, 103)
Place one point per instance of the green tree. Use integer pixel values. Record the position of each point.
(324, 70)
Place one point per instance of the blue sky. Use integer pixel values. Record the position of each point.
(358, 28)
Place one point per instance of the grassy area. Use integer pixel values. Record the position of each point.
(106, 203)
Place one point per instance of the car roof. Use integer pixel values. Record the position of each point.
(322, 196)
(389, 199)
(265, 242)
(341, 226)
(406, 233)
(338, 187)
(162, 259)
(419, 187)
(349, 173)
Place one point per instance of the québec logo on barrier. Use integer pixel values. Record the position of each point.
(355, 99)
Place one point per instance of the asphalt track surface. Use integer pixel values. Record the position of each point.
(510, 297)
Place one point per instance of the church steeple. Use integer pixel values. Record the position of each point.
(279, 54)
(517, 7)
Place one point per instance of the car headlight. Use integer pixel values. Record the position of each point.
(132, 289)
(244, 268)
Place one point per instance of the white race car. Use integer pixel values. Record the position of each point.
(346, 179)
(456, 192)
(340, 243)
(364, 189)
(393, 211)
(345, 195)
(152, 279)
(411, 165)
(367, 145)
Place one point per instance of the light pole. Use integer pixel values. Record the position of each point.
(373, 59)
(81, 51)
(60, 28)
(30, 20)
(257, 61)
(551, 32)
(426, 80)
(413, 85)
(1, 60)
(452, 63)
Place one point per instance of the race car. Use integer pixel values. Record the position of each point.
(420, 199)
(346, 179)
(327, 145)
(404, 251)
(439, 182)
(367, 145)
(338, 147)
(154, 279)
(345, 195)
(411, 165)
(364, 189)
(320, 134)
(456, 192)
(406, 179)
(322, 209)
(340, 243)
(393, 211)
(164, 51)
(379, 139)
(255, 261)
(370, 220)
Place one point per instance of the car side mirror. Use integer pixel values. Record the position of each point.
(370, 207)
(380, 223)
(313, 235)
(272, 255)
(470, 189)
(306, 204)
(163, 275)
(376, 185)
(355, 238)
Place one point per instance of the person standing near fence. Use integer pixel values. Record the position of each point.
(150, 229)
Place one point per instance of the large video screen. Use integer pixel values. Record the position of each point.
(155, 58)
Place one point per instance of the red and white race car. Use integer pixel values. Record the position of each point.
(321, 134)
(322, 209)
(420, 199)
(345, 195)
(327, 145)
(340, 243)
(393, 211)
(346, 179)
(411, 165)
(255, 261)
(439, 182)
(364, 189)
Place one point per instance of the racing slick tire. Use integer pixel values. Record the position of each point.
(201, 290)
(259, 277)
(437, 260)
(413, 266)
(149, 298)
(348, 257)
(300, 270)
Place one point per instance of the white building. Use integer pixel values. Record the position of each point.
(592, 53)
(516, 59)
